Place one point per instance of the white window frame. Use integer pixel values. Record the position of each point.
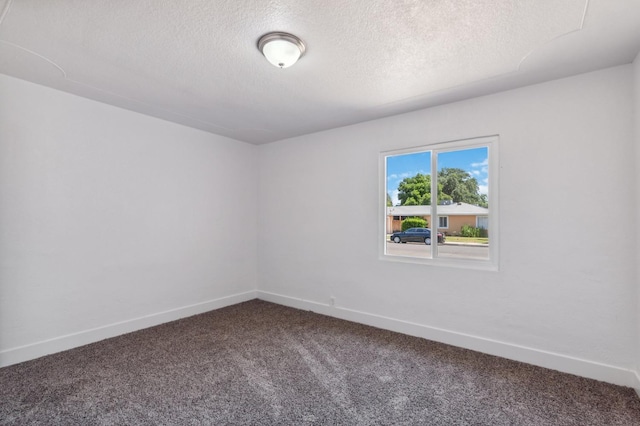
(491, 143)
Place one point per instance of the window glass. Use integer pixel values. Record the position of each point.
(463, 190)
(483, 222)
(443, 222)
(409, 188)
(457, 198)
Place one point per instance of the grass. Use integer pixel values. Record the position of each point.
(452, 239)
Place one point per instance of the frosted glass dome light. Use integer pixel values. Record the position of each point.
(281, 49)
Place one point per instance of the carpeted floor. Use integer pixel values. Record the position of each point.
(257, 363)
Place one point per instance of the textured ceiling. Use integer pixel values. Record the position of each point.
(195, 62)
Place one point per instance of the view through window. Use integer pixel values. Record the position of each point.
(456, 205)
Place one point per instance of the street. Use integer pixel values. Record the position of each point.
(444, 250)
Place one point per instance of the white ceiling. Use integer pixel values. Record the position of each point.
(196, 62)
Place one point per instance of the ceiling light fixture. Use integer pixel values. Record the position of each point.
(281, 49)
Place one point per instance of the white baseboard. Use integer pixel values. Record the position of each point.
(554, 361)
(74, 340)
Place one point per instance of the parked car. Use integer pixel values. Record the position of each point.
(416, 235)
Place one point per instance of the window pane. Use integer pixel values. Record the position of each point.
(463, 200)
(483, 222)
(443, 222)
(408, 187)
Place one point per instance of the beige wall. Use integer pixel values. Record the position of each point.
(457, 222)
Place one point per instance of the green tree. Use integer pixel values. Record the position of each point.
(415, 191)
(454, 184)
(414, 222)
(389, 202)
(460, 185)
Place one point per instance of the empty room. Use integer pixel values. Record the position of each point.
(297, 212)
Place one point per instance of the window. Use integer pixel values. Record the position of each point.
(443, 222)
(482, 222)
(461, 197)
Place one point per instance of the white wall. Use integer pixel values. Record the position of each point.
(563, 295)
(636, 114)
(111, 221)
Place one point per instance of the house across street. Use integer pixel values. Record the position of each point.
(451, 217)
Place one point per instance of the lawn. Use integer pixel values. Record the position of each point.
(452, 239)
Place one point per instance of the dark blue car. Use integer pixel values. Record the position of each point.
(416, 235)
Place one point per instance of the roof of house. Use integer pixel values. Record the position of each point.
(456, 209)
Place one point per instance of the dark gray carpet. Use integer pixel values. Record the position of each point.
(257, 363)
